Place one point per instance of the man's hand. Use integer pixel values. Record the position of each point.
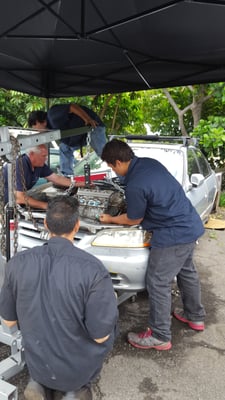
(91, 122)
(9, 324)
(102, 340)
(121, 219)
(105, 218)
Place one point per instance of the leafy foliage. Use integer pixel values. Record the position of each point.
(121, 112)
(129, 112)
(222, 200)
(211, 134)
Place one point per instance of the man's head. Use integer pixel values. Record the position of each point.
(62, 217)
(38, 155)
(37, 120)
(117, 155)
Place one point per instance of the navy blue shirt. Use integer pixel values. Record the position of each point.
(31, 175)
(63, 299)
(153, 194)
(60, 117)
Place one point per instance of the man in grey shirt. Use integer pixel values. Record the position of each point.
(64, 302)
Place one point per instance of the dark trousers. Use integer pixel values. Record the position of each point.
(163, 266)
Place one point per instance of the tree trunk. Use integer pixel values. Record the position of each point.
(180, 113)
(199, 97)
(115, 112)
(103, 110)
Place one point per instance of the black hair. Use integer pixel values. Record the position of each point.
(62, 214)
(116, 150)
(36, 116)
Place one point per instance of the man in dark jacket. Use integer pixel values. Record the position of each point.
(68, 116)
(64, 302)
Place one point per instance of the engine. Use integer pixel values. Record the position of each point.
(102, 197)
(95, 201)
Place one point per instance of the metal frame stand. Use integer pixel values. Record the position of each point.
(15, 363)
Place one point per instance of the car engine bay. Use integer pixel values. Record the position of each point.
(105, 196)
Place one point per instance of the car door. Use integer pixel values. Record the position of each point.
(197, 194)
(210, 179)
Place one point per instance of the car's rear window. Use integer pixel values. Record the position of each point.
(172, 159)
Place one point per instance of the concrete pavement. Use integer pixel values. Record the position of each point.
(195, 366)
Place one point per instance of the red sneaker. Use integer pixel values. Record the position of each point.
(196, 325)
(145, 340)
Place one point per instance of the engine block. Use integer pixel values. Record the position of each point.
(93, 202)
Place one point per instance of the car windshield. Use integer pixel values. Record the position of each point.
(95, 162)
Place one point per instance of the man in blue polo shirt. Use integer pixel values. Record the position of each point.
(65, 304)
(68, 116)
(157, 201)
(29, 168)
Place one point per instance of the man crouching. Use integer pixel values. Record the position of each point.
(64, 302)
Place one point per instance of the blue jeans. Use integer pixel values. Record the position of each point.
(164, 265)
(67, 160)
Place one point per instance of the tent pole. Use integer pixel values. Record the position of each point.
(137, 69)
(47, 108)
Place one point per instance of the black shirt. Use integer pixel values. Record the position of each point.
(60, 117)
(30, 175)
(63, 299)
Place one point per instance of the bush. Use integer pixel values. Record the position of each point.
(222, 200)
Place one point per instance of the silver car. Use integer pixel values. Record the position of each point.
(124, 250)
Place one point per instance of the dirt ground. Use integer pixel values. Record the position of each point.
(194, 367)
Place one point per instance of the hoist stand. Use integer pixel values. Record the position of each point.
(13, 364)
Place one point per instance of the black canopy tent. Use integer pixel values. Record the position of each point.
(58, 48)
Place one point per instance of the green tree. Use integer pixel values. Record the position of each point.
(193, 110)
(173, 111)
(177, 111)
(15, 107)
(211, 134)
(120, 112)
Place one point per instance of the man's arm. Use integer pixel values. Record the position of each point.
(75, 109)
(59, 180)
(119, 219)
(62, 180)
(101, 311)
(22, 198)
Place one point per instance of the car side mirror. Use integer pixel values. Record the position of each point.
(197, 179)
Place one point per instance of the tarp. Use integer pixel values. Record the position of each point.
(55, 48)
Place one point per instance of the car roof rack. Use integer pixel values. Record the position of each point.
(185, 140)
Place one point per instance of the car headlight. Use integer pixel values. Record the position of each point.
(123, 237)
